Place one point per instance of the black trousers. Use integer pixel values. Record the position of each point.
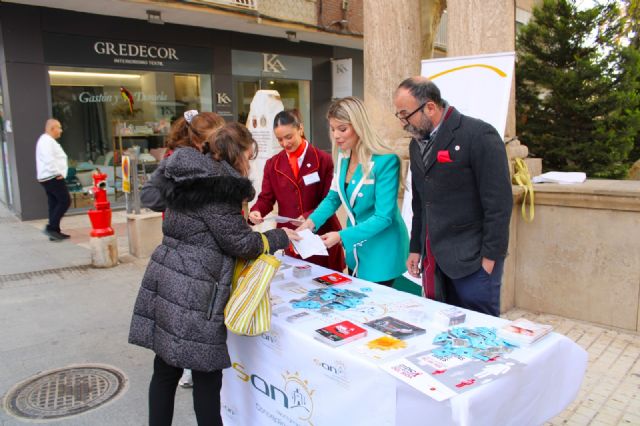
(162, 392)
(59, 201)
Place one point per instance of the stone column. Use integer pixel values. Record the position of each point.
(392, 52)
(483, 26)
(430, 16)
(392, 45)
(397, 35)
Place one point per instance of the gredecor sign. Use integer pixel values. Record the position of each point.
(70, 50)
(135, 53)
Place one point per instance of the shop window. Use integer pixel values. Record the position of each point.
(293, 93)
(105, 112)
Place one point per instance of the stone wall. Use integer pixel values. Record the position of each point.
(580, 257)
(303, 11)
(334, 11)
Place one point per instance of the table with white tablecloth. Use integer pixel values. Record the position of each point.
(287, 377)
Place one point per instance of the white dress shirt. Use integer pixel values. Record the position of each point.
(51, 161)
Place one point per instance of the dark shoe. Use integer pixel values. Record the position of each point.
(48, 233)
(64, 236)
(55, 235)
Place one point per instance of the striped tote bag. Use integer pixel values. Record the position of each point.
(248, 311)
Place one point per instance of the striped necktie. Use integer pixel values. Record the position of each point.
(426, 147)
(428, 261)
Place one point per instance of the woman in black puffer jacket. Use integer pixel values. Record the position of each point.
(179, 312)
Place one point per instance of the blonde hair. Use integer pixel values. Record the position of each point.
(351, 110)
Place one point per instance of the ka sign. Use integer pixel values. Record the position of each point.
(222, 98)
(342, 78)
(271, 63)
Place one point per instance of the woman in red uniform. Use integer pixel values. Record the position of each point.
(297, 178)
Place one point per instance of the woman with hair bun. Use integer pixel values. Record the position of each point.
(297, 179)
(191, 130)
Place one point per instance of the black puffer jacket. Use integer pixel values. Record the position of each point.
(179, 310)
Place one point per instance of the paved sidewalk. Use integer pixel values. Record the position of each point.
(56, 311)
(610, 392)
(26, 248)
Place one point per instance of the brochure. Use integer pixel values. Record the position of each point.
(395, 327)
(340, 333)
(523, 332)
(332, 279)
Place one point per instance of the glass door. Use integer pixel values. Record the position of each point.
(295, 94)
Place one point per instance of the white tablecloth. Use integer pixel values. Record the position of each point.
(286, 377)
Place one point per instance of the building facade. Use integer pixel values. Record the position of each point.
(82, 68)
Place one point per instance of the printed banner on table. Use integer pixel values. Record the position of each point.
(443, 378)
(287, 377)
(276, 378)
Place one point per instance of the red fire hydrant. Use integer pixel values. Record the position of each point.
(101, 216)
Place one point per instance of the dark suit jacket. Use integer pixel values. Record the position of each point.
(465, 204)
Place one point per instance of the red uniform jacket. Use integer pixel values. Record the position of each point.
(295, 198)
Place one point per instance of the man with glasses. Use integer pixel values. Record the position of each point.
(462, 199)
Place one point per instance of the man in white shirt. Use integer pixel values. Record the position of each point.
(51, 164)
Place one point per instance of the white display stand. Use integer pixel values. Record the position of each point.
(264, 107)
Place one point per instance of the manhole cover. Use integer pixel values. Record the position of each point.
(65, 392)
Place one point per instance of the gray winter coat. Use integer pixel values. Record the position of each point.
(150, 194)
(179, 312)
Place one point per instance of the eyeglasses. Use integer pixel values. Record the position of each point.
(408, 116)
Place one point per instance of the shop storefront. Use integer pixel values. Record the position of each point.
(117, 83)
(128, 98)
(289, 75)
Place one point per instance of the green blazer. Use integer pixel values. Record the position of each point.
(376, 240)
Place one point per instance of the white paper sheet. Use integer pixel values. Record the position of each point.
(310, 245)
(284, 219)
(560, 177)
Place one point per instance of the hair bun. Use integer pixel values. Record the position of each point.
(188, 115)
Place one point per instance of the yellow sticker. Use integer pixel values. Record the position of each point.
(386, 343)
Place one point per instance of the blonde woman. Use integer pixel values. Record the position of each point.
(365, 182)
